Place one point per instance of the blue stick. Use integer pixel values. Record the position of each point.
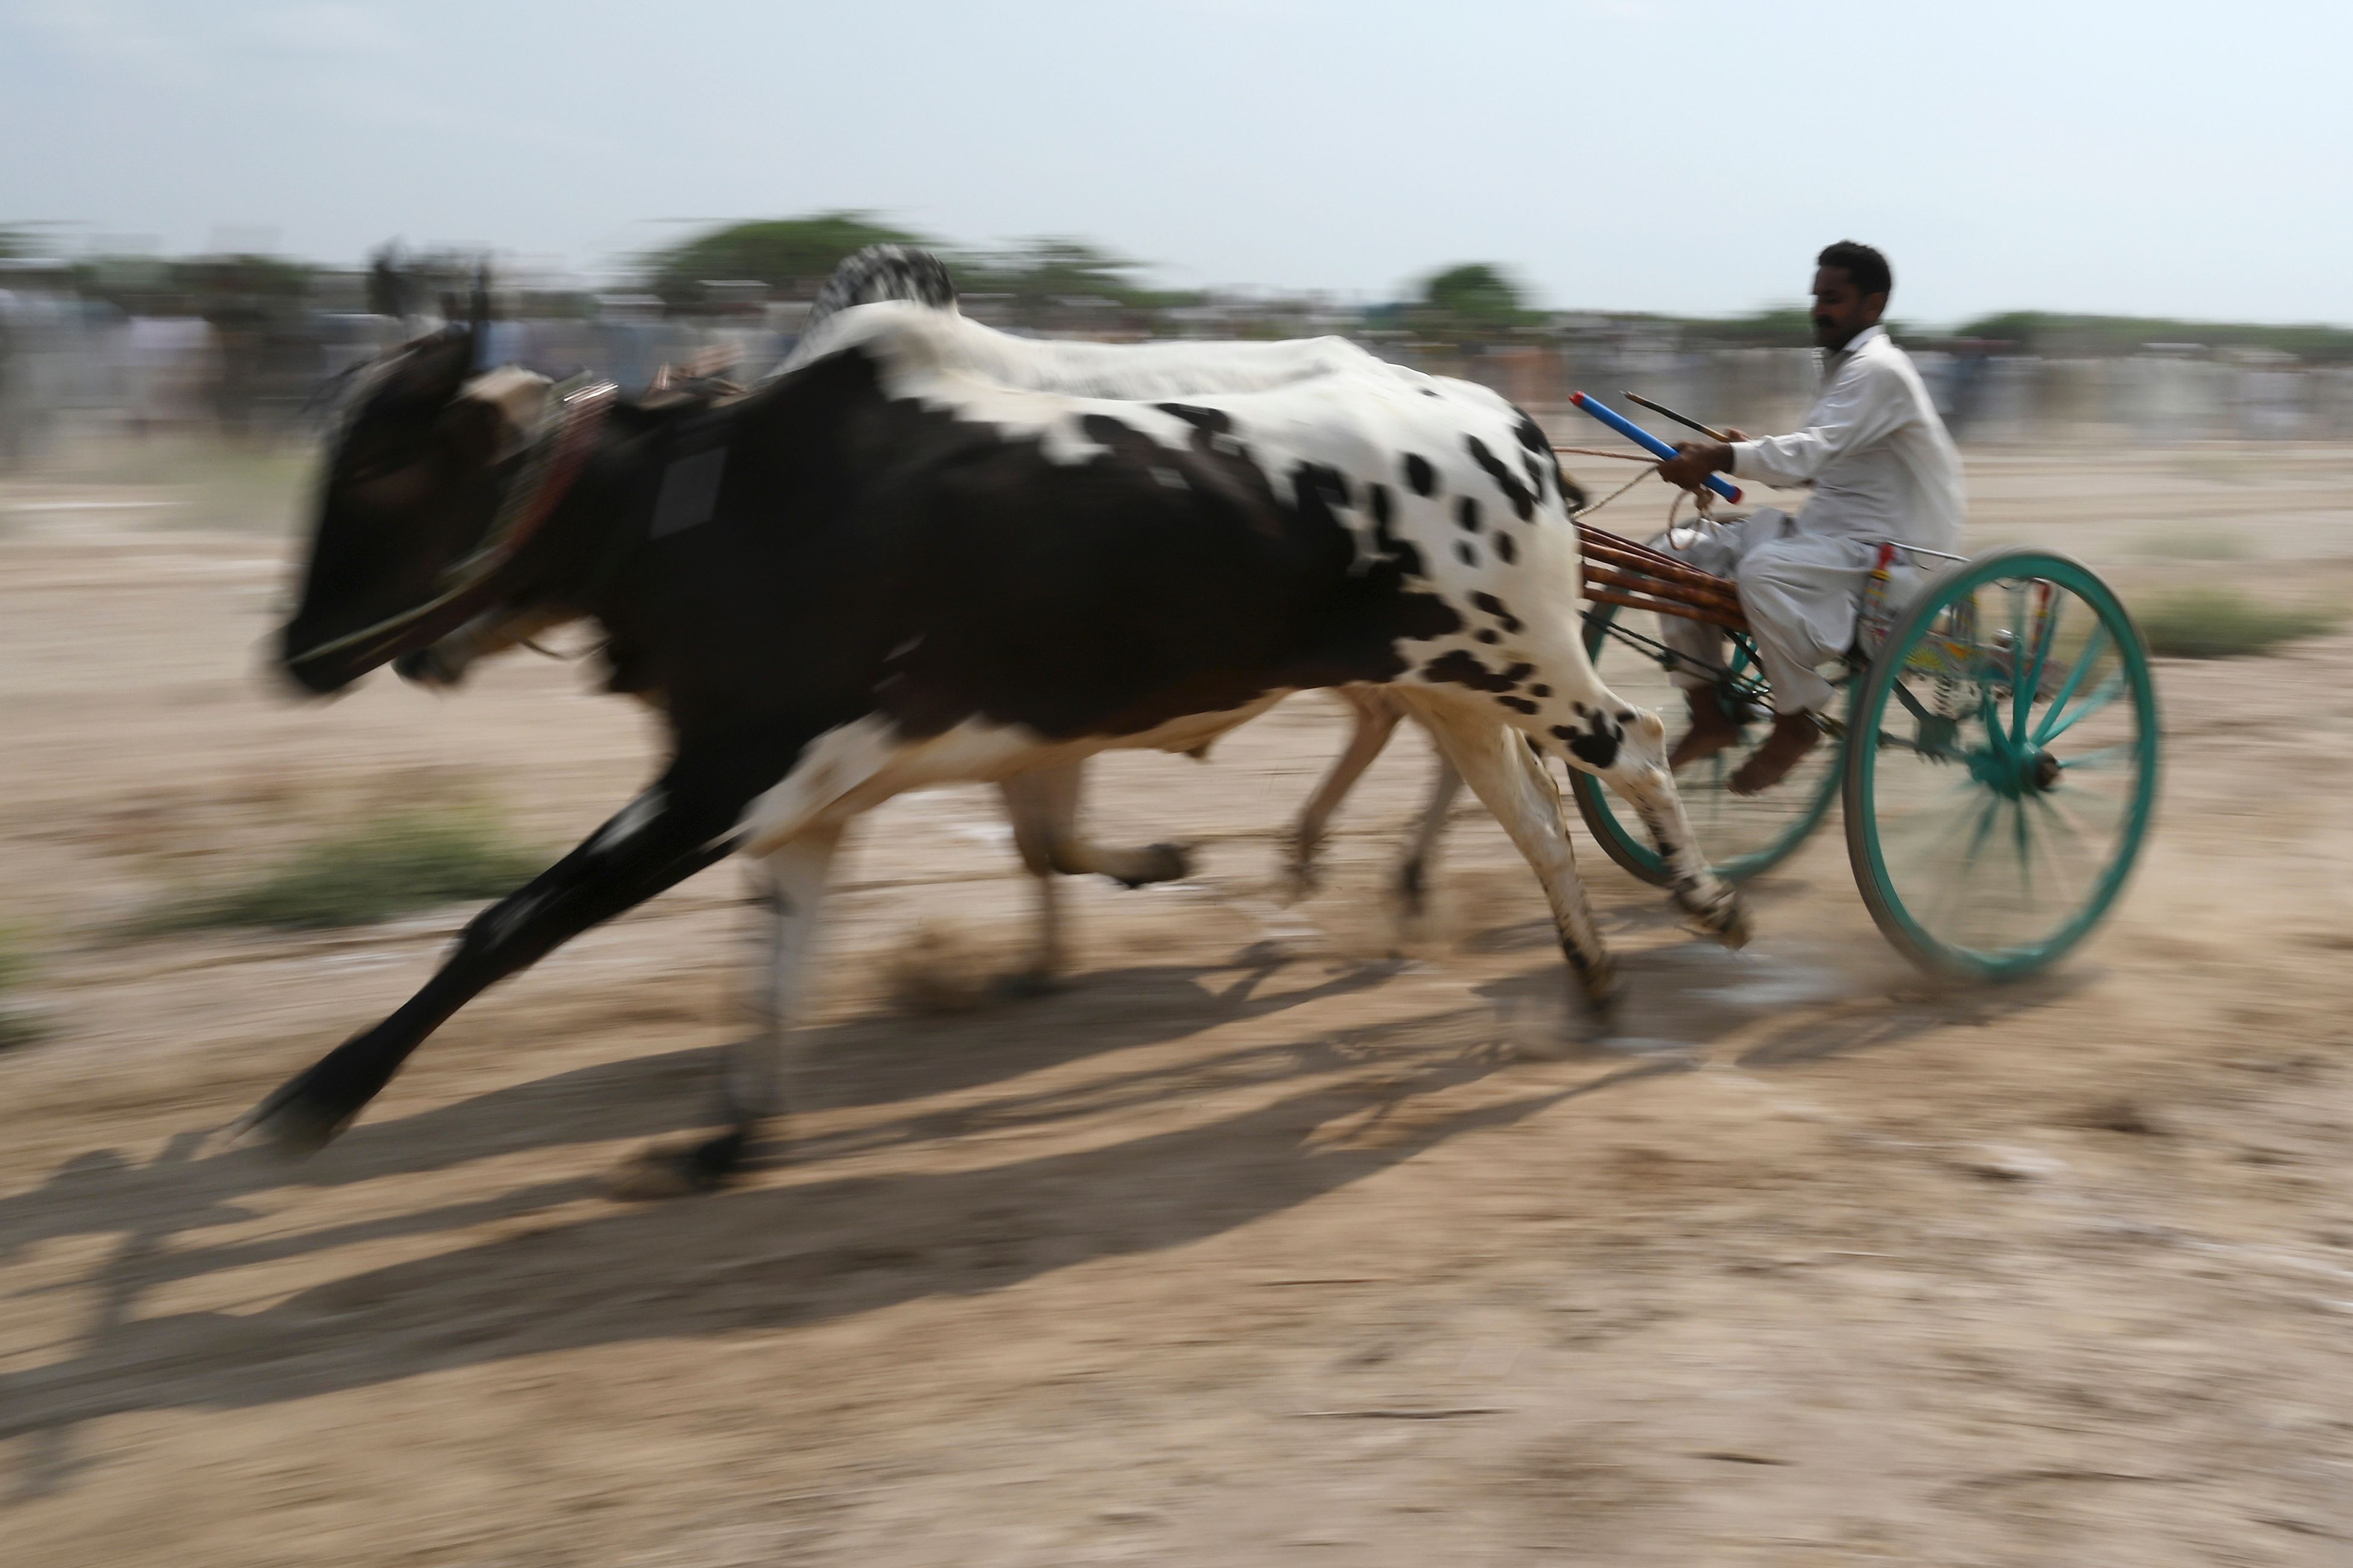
(1644, 439)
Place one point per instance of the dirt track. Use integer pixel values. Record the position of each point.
(1258, 1244)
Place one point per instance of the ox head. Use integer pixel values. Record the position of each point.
(411, 487)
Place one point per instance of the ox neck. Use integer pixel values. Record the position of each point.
(591, 523)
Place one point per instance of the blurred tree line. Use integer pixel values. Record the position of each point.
(792, 256)
(1066, 282)
(2057, 336)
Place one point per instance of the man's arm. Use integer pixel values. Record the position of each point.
(1863, 404)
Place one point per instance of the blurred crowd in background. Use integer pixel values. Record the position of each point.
(238, 346)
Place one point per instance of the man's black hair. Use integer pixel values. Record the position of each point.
(1864, 266)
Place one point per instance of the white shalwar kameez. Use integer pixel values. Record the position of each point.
(1881, 467)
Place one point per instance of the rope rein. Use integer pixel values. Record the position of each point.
(1649, 467)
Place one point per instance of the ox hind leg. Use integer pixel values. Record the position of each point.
(1413, 871)
(1376, 715)
(1377, 711)
(1492, 757)
(1043, 803)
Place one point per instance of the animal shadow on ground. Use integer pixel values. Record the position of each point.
(857, 1242)
(870, 1061)
(809, 1250)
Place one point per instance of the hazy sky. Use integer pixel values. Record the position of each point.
(1685, 155)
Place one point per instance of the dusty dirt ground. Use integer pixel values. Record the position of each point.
(1260, 1244)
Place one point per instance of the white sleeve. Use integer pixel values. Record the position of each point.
(1864, 404)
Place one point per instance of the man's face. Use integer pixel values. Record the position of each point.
(1840, 309)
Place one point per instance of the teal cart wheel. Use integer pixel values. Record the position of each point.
(1741, 835)
(2002, 765)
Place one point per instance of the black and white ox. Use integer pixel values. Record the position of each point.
(930, 552)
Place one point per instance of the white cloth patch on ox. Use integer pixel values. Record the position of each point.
(690, 489)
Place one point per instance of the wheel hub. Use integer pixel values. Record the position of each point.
(2015, 776)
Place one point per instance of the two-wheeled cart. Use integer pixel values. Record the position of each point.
(1994, 744)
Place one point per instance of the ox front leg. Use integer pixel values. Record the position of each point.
(683, 824)
(1507, 777)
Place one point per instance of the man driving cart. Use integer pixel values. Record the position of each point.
(1881, 467)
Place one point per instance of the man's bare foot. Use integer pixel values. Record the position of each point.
(1794, 734)
(1711, 731)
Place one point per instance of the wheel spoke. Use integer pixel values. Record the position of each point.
(1988, 714)
(2052, 832)
(2106, 757)
(2025, 852)
(2017, 595)
(2094, 647)
(1930, 828)
(2046, 631)
(2068, 803)
(2108, 691)
(1968, 869)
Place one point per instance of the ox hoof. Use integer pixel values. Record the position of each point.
(1731, 928)
(678, 1171)
(1413, 889)
(298, 1119)
(1160, 863)
(1724, 917)
(1302, 879)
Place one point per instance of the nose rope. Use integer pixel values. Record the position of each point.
(556, 456)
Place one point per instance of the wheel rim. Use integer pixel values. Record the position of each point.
(2011, 765)
(1742, 835)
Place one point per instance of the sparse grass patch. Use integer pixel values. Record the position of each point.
(2193, 544)
(19, 1025)
(2216, 622)
(371, 870)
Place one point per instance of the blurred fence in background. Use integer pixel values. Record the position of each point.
(71, 366)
